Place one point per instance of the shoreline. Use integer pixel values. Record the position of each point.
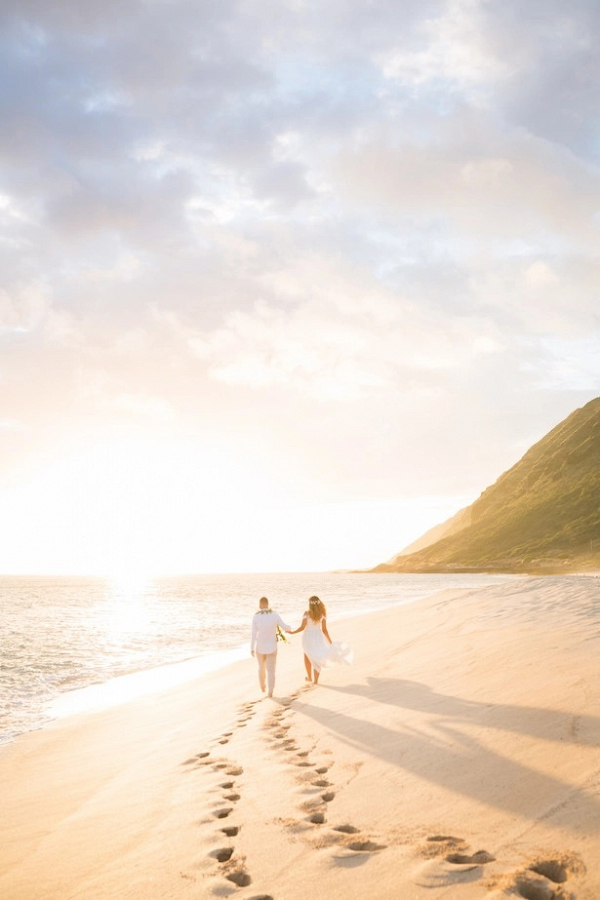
(148, 682)
(147, 679)
(458, 752)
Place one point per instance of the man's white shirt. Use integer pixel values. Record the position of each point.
(264, 631)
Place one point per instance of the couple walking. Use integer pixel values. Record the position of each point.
(319, 649)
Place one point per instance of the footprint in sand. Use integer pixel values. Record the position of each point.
(481, 857)
(444, 838)
(442, 844)
(223, 812)
(223, 854)
(313, 804)
(534, 889)
(552, 869)
(239, 877)
(539, 880)
(305, 778)
(245, 714)
(232, 798)
(365, 846)
(197, 759)
(351, 849)
(230, 830)
(450, 862)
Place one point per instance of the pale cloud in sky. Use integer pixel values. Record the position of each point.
(350, 251)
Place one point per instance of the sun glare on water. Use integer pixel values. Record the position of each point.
(128, 611)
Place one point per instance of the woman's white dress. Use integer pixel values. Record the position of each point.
(318, 649)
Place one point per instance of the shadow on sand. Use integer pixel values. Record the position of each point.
(460, 761)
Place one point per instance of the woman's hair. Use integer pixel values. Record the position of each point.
(316, 609)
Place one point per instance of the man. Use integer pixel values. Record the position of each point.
(263, 644)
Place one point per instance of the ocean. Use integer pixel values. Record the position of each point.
(76, 644)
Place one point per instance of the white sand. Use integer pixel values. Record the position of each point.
(459, 751)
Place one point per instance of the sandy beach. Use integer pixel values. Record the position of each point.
(458, 757)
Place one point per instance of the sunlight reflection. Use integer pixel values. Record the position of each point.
(139, 684)
(128, 610)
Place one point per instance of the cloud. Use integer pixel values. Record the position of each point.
(453, 49)
(488, 188)
(333, 333)
(358, 239)
(22, 307)
(138, 205)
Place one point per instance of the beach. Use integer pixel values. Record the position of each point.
(456, 758)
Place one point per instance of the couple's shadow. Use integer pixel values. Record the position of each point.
(548, 724)
(458, 743)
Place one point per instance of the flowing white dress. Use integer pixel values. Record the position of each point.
(318, 649)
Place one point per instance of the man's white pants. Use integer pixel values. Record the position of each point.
(266, 670)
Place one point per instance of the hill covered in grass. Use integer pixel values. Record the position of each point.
(542, 515)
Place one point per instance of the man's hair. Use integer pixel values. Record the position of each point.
(263, 603)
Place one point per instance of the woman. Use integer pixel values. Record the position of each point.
(319, 649)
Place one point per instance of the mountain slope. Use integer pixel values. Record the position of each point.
(543, 514)
(457, 522)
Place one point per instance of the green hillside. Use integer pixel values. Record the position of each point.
(543, 515)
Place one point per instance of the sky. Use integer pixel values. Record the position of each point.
(283, 284)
